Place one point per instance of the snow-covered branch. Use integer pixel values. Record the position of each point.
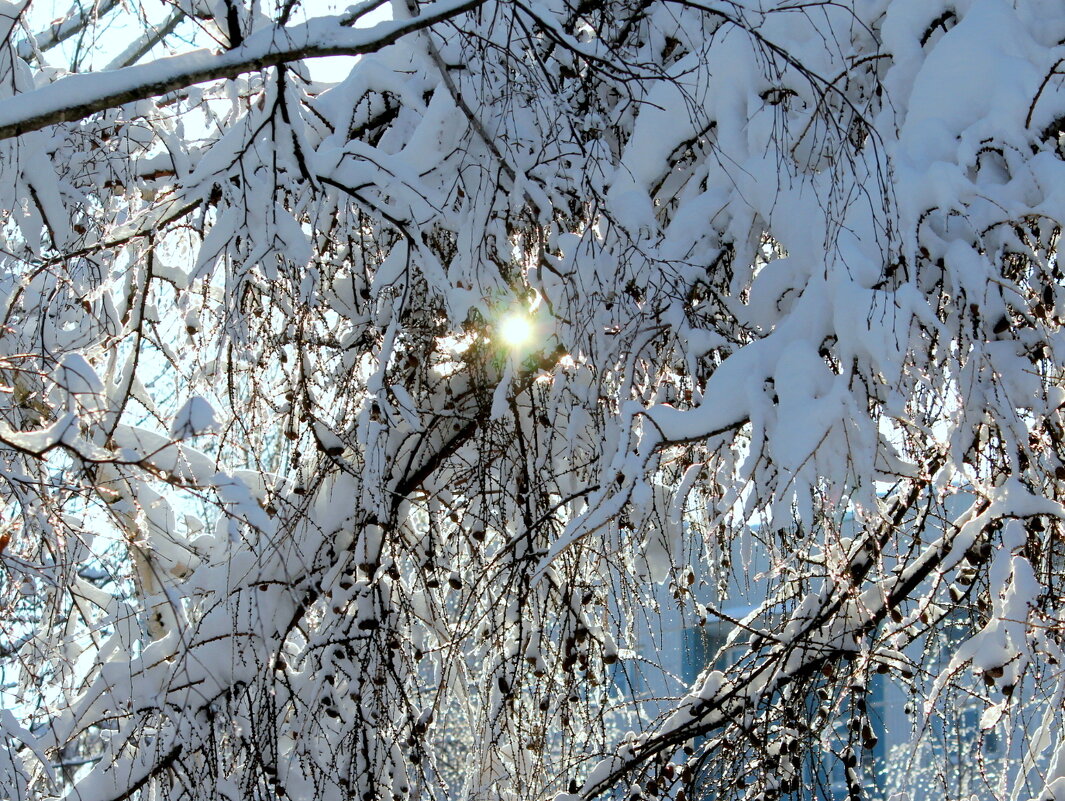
(75, 97)
(654, 399)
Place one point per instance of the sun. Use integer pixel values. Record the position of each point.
(515, 330)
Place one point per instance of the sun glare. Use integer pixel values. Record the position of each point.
(515, 330)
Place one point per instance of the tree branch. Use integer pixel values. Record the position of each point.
(61, 30)
(77, 96)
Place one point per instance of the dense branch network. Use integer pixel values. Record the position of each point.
(288, 511)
